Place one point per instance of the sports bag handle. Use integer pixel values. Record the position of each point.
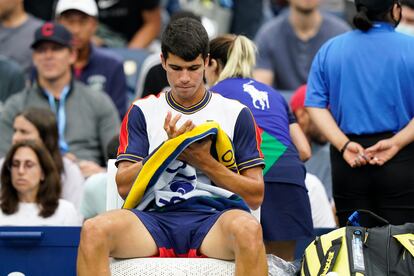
(330, 257)
(354, 218)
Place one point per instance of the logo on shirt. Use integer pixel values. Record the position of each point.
(260, 99)
(105, 4)
(97, 82)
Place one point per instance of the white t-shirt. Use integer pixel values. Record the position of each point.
(28, 215)
(322, 215)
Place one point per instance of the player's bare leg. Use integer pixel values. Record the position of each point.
(237, 235)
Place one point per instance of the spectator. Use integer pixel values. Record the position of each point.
(99, 69)
(319, 164)
(87, 119)
(365, 78)
(40, 124)
(16, 32)
(42, 9)
(406, 25)
(322, 212)
(247, 17)
(135, 23)
(11, 79)
(94, 200)
(285, 213)
(288, 43)
(31, 188)
(196, 226)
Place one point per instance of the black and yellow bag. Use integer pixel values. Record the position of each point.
(356, 250)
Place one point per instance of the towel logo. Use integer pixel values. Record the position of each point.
(258, 96)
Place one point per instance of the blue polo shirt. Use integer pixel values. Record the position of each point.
(366, 79)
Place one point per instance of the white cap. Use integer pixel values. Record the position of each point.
(86, 6)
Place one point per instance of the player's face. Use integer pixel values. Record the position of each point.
(81, 25)
(52, 60)
(185, 78)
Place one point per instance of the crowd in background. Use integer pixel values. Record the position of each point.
(69, 70)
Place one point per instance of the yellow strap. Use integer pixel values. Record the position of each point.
(407, 240)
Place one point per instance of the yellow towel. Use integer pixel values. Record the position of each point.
(159, 160)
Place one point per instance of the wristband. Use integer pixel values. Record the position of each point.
(345, 146)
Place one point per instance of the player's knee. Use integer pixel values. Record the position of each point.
(93, 233)
(247, 233)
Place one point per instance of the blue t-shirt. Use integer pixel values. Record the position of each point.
(286, 55)
(366, 80)
(273, 117)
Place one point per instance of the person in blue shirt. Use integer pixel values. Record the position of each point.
(360, 94)
(285, 211)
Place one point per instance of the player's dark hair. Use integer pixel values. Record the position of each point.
(186, 38)
(365, 18)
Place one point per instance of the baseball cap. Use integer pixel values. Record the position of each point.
(297, 100)
(54, 32)
(376, 6)
(86, 6)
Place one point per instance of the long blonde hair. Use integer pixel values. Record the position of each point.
(235, 53)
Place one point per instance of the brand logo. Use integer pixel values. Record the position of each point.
(48, 29)
(260, 98)
(105, 4)
(328, 263)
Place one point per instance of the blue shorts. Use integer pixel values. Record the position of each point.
(179, 233)
(285, 213)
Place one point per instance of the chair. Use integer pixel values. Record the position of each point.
(150, 62)
(161, 266)
(133, 60)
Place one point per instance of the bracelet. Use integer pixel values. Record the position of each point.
(344, 147)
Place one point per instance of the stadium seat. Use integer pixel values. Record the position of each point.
(133, 60)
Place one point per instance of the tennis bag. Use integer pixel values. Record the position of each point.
(356, 250)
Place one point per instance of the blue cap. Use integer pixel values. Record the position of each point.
(54, 32)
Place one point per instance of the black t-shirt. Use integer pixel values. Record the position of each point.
(124, 16)
(43, 9)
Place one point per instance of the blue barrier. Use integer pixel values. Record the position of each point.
(39, 250)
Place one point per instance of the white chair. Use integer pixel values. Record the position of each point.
(161, 266)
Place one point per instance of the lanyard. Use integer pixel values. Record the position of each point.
(61, 116)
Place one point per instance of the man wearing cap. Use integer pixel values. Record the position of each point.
(100, 69)
(360, 95)
(87, 119)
